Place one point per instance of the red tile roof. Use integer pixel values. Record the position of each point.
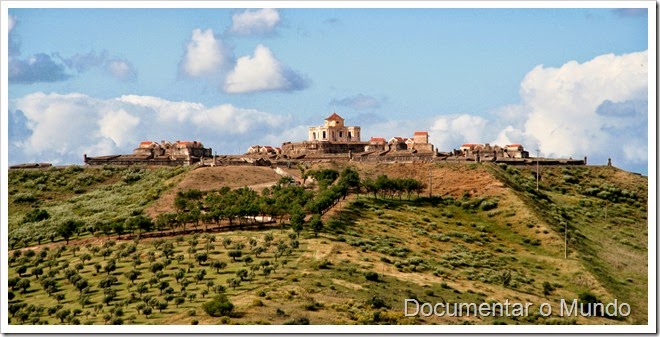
(420, 133)
(378, 139)
(334, 117)
(514, 145)
(146, 142)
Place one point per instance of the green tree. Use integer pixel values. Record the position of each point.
(81, 285)
(119, 228)
(23, 284)
(201, 257)
(132, 275)
(297, 220)
(242, 274)
(219, 306)
(317, 224)
(217, 265)
(21, 270)
(85, 257)
(110, 266)
(36, 271)
(351, 179)
(163, 285)
(234, 254)
(142, 288)
(67, 228)
(248, 260)
(200, 275)
(162, 305)
(179, 300)
(232, 282)
(179, 274)
(62, 314)
(140, 222)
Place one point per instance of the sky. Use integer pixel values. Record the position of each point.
(568, 82)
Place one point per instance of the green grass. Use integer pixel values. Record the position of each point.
(82, 194)
(128, 298)
(432, 249)
(605, 212)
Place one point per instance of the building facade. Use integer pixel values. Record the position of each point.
(334, 130)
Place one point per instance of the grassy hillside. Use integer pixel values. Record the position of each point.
(605, 212)
(487, 236)
(39, 200)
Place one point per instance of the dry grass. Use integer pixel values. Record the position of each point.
(431, 232)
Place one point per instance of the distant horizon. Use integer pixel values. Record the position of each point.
(570, 82)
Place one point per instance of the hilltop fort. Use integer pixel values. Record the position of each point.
(160, 154)
(332, 141)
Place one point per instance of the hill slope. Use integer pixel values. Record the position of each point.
(487, 236)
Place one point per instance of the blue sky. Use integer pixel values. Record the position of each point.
(570, 82)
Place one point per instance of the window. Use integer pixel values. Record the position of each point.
(341, 134)
(323, 134)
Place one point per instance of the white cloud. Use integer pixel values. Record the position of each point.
(58, 123)
(255, 22)
(563, 103)
(204, 54)
(43, 67)
(121, 70)
(11, 22)
(359, 101)
(61, 128)
(597, 108)
(165, 111)
(233, 120)
(119, 126)
(261, 72)
(449, 132)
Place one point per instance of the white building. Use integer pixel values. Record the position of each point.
(334, 130)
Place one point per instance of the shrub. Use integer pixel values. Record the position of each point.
(377, 302)
(487, 205)
(219, 306)
(298, 321)
(312, 305)
(571, 179)
(371, 276)
(36, 215)
(547, 288)
(25, 198)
